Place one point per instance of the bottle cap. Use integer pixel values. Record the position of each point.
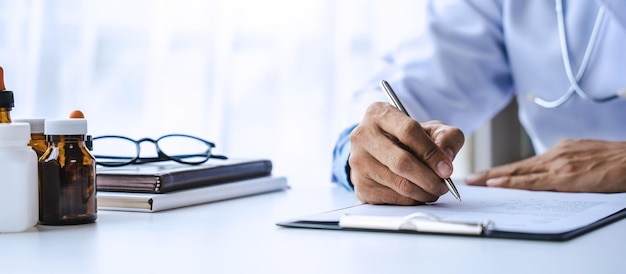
(6, 96)
(6, 99)
(36, 124)
(15, 132)
(71, 126)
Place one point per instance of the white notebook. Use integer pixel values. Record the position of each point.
(149, 202)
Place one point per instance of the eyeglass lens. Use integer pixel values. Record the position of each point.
(184, 148)
(114, 150)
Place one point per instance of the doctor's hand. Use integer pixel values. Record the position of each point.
(571, 165)
(396, 160)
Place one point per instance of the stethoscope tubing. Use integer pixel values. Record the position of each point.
(574, 80)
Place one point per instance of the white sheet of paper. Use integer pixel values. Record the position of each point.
(509, 210)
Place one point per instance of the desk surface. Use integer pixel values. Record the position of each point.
(240, 236)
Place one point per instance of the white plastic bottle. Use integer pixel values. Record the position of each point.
(19, 196)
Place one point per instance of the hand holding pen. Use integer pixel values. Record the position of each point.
(396, 102)
(397, 160)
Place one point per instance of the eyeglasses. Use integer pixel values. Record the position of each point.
(113, 150)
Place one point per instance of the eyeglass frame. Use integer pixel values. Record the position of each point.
(161, 156)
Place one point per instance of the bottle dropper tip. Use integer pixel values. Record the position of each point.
(2, 87)
(77, 114)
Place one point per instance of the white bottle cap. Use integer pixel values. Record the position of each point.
(72, 126)
(36, 124)
(14, 133)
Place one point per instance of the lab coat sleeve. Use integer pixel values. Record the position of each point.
(456, 71)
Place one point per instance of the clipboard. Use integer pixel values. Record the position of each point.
(371, 223)
(594, 211)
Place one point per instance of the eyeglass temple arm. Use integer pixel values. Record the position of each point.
(142, 160)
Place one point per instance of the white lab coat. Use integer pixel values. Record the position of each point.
(475, 55)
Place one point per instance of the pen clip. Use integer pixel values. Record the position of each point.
(419, 222)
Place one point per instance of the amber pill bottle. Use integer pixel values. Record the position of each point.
(67, 175)
(37, 138)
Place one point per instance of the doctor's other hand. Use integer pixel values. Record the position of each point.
(396, 160)
(570, 166)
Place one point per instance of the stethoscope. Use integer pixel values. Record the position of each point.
(573, 80)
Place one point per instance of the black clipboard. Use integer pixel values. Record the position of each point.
(486, 231)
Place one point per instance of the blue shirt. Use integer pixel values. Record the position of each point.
(476, 55)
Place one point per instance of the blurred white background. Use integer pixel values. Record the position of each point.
(269, 79)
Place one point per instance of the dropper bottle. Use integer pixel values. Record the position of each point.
(6, 101)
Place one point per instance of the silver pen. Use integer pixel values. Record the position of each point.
(396, 102)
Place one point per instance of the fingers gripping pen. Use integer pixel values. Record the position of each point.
(396, 102)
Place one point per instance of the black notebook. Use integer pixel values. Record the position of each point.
(165, 177)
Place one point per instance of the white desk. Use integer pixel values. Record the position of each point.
(240, 236)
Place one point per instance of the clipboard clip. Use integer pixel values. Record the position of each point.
(419, 222)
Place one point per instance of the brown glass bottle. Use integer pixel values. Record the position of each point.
(67, 176)
(38, 143)
(5, 114)
(37, 138)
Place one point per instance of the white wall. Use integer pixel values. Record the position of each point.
(266, 79)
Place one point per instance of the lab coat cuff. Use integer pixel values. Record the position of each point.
(341, 154)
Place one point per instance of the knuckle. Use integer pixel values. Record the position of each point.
(458, 133)
(400, 163)
(355, 161)
(514, 170)
(436, 122)
(429, 152)
(408, 128)
(359, 168)
(565, 143)
(363, 191)
(455, 132)
(369, 196)
(363, 197)
(357, 135)
(404, 186)
(411, 191)
(376, 109)
(433, 187)
(355, 169)
(565, 167)
(356, 158)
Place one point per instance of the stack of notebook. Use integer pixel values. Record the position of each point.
(160, 186)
